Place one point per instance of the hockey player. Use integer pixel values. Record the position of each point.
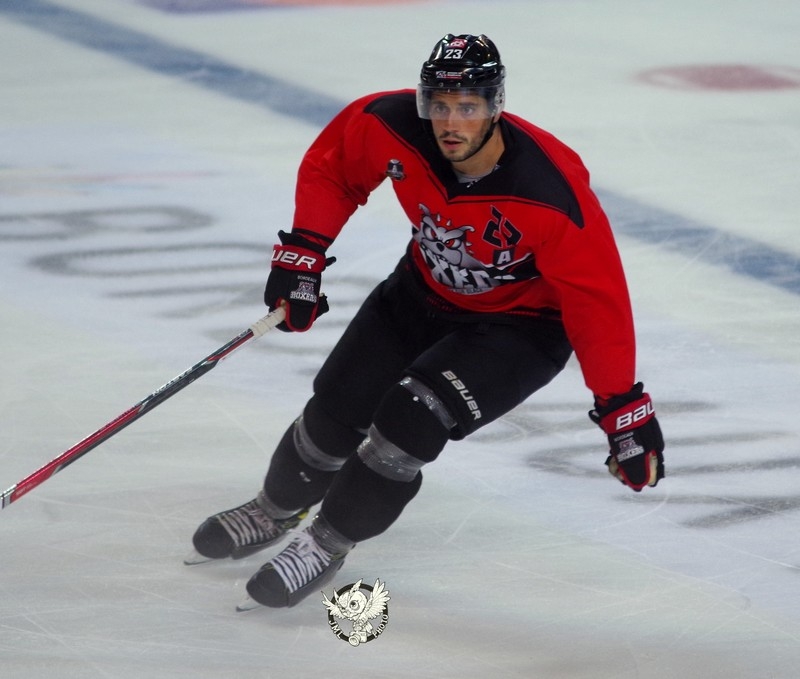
(511, 266)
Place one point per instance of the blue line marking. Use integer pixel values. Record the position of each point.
(185, 64)
(739, 254)
(743, 256)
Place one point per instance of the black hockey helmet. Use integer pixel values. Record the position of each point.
(459, 63)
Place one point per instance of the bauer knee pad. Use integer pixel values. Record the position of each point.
(338, 439)
(410, 429)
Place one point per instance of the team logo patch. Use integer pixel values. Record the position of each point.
(394, 170)
(304, 292)
(457, 43)
(628, 448)
(359, 605)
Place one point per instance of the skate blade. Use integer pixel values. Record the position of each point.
(249, 604)
(194, 557)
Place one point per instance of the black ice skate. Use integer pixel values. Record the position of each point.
(240, 532)
(304, 567)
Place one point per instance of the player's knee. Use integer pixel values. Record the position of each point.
(410, 429)
(322, 441)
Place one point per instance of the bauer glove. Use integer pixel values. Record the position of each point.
(634, 436)
(294, 281)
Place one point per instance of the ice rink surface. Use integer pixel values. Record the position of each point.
(147, 157)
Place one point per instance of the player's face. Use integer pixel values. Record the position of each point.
(460, 122)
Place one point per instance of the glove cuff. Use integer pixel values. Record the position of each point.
(604, 406)
(301, 238)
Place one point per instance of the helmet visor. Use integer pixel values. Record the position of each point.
(473, 103)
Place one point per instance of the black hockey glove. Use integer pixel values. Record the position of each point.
(636, 445)
(294, 281)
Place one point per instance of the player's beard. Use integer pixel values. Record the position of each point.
(467, 148)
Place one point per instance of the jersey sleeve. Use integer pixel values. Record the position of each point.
(585, 268)
(338, 172)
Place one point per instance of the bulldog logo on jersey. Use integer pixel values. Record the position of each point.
(447, 252)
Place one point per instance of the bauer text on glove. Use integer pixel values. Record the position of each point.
(636, 455)
(294, 281)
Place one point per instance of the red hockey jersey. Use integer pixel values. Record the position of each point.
(529, 238)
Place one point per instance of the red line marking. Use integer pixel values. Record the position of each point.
(723, 77)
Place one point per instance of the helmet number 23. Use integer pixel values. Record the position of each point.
(453, 54)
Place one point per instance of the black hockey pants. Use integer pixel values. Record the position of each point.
(477, 367)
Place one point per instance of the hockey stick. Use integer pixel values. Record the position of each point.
(131, 415)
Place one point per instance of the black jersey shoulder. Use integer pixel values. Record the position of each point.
(525, 173)
(398, 112)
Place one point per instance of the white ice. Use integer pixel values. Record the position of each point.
(137, 211)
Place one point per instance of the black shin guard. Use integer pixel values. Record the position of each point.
(362, 504)
(291, 483)
(300, 472)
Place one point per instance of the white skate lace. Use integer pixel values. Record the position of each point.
(301, 562)
(248, 524)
